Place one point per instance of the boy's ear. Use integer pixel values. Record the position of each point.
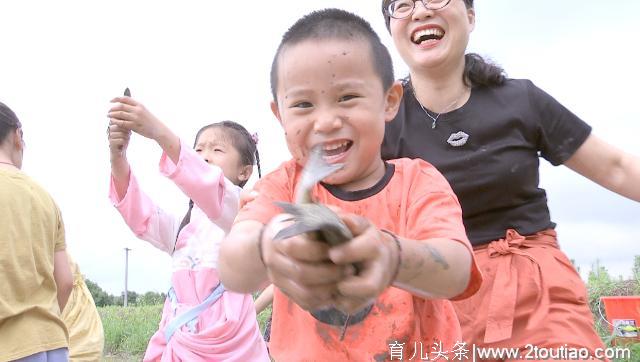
(392, 101)
(276, 111)
(245, 173)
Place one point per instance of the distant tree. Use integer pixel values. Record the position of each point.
(100, 297)
(151, 298)
(132, 298)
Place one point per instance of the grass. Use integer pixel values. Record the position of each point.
(128, 330)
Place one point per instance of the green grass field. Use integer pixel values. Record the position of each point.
(128, 330)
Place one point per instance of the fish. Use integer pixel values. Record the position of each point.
(320, 223)
(309, 217)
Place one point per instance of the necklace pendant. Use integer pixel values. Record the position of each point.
(433, 125)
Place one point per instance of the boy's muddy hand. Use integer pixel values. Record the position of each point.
(376, 256)
(300, 267)
(129, 114)
(118, 140)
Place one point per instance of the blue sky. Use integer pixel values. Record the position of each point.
(196, 62)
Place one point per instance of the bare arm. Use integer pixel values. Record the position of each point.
(435, 268)
(63, 277)
(118, 142)
(607, 166)
(240, 267)
(264, 299)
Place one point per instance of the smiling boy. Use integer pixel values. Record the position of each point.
(333, 86)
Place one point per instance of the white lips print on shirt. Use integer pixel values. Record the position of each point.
(458, 139)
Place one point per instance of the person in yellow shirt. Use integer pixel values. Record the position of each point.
(86, 336)
(34, 274)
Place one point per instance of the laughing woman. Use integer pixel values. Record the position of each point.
(489, 149)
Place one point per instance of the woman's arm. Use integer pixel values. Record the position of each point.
(607, 166)
(63, 277)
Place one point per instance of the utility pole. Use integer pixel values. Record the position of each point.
(126, 274)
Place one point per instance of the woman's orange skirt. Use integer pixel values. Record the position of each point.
(531, 294)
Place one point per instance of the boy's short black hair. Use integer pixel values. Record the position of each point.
(336, 24)
(8, 121)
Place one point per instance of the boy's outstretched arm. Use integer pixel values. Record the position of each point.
(433, 268)
(297, 266)
(239, 263)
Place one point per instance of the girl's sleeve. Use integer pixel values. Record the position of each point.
(214, 194)
(144, 218)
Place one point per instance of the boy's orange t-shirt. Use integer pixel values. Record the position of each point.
(414, 201)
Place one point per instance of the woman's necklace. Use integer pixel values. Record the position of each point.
(446, 109)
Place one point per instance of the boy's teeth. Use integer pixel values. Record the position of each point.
(335, 146)
(335, 149)
(431, 33)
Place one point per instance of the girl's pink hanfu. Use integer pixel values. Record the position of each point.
(226, 330)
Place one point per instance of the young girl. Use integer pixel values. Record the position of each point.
(200, 321)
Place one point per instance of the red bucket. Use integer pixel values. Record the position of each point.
(623, 317)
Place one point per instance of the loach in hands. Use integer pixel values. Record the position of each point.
(311, 218)
(321, 224)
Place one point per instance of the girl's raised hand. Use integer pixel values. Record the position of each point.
(118, 140)
(300, 267)
(377, 258)
(131, 115)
